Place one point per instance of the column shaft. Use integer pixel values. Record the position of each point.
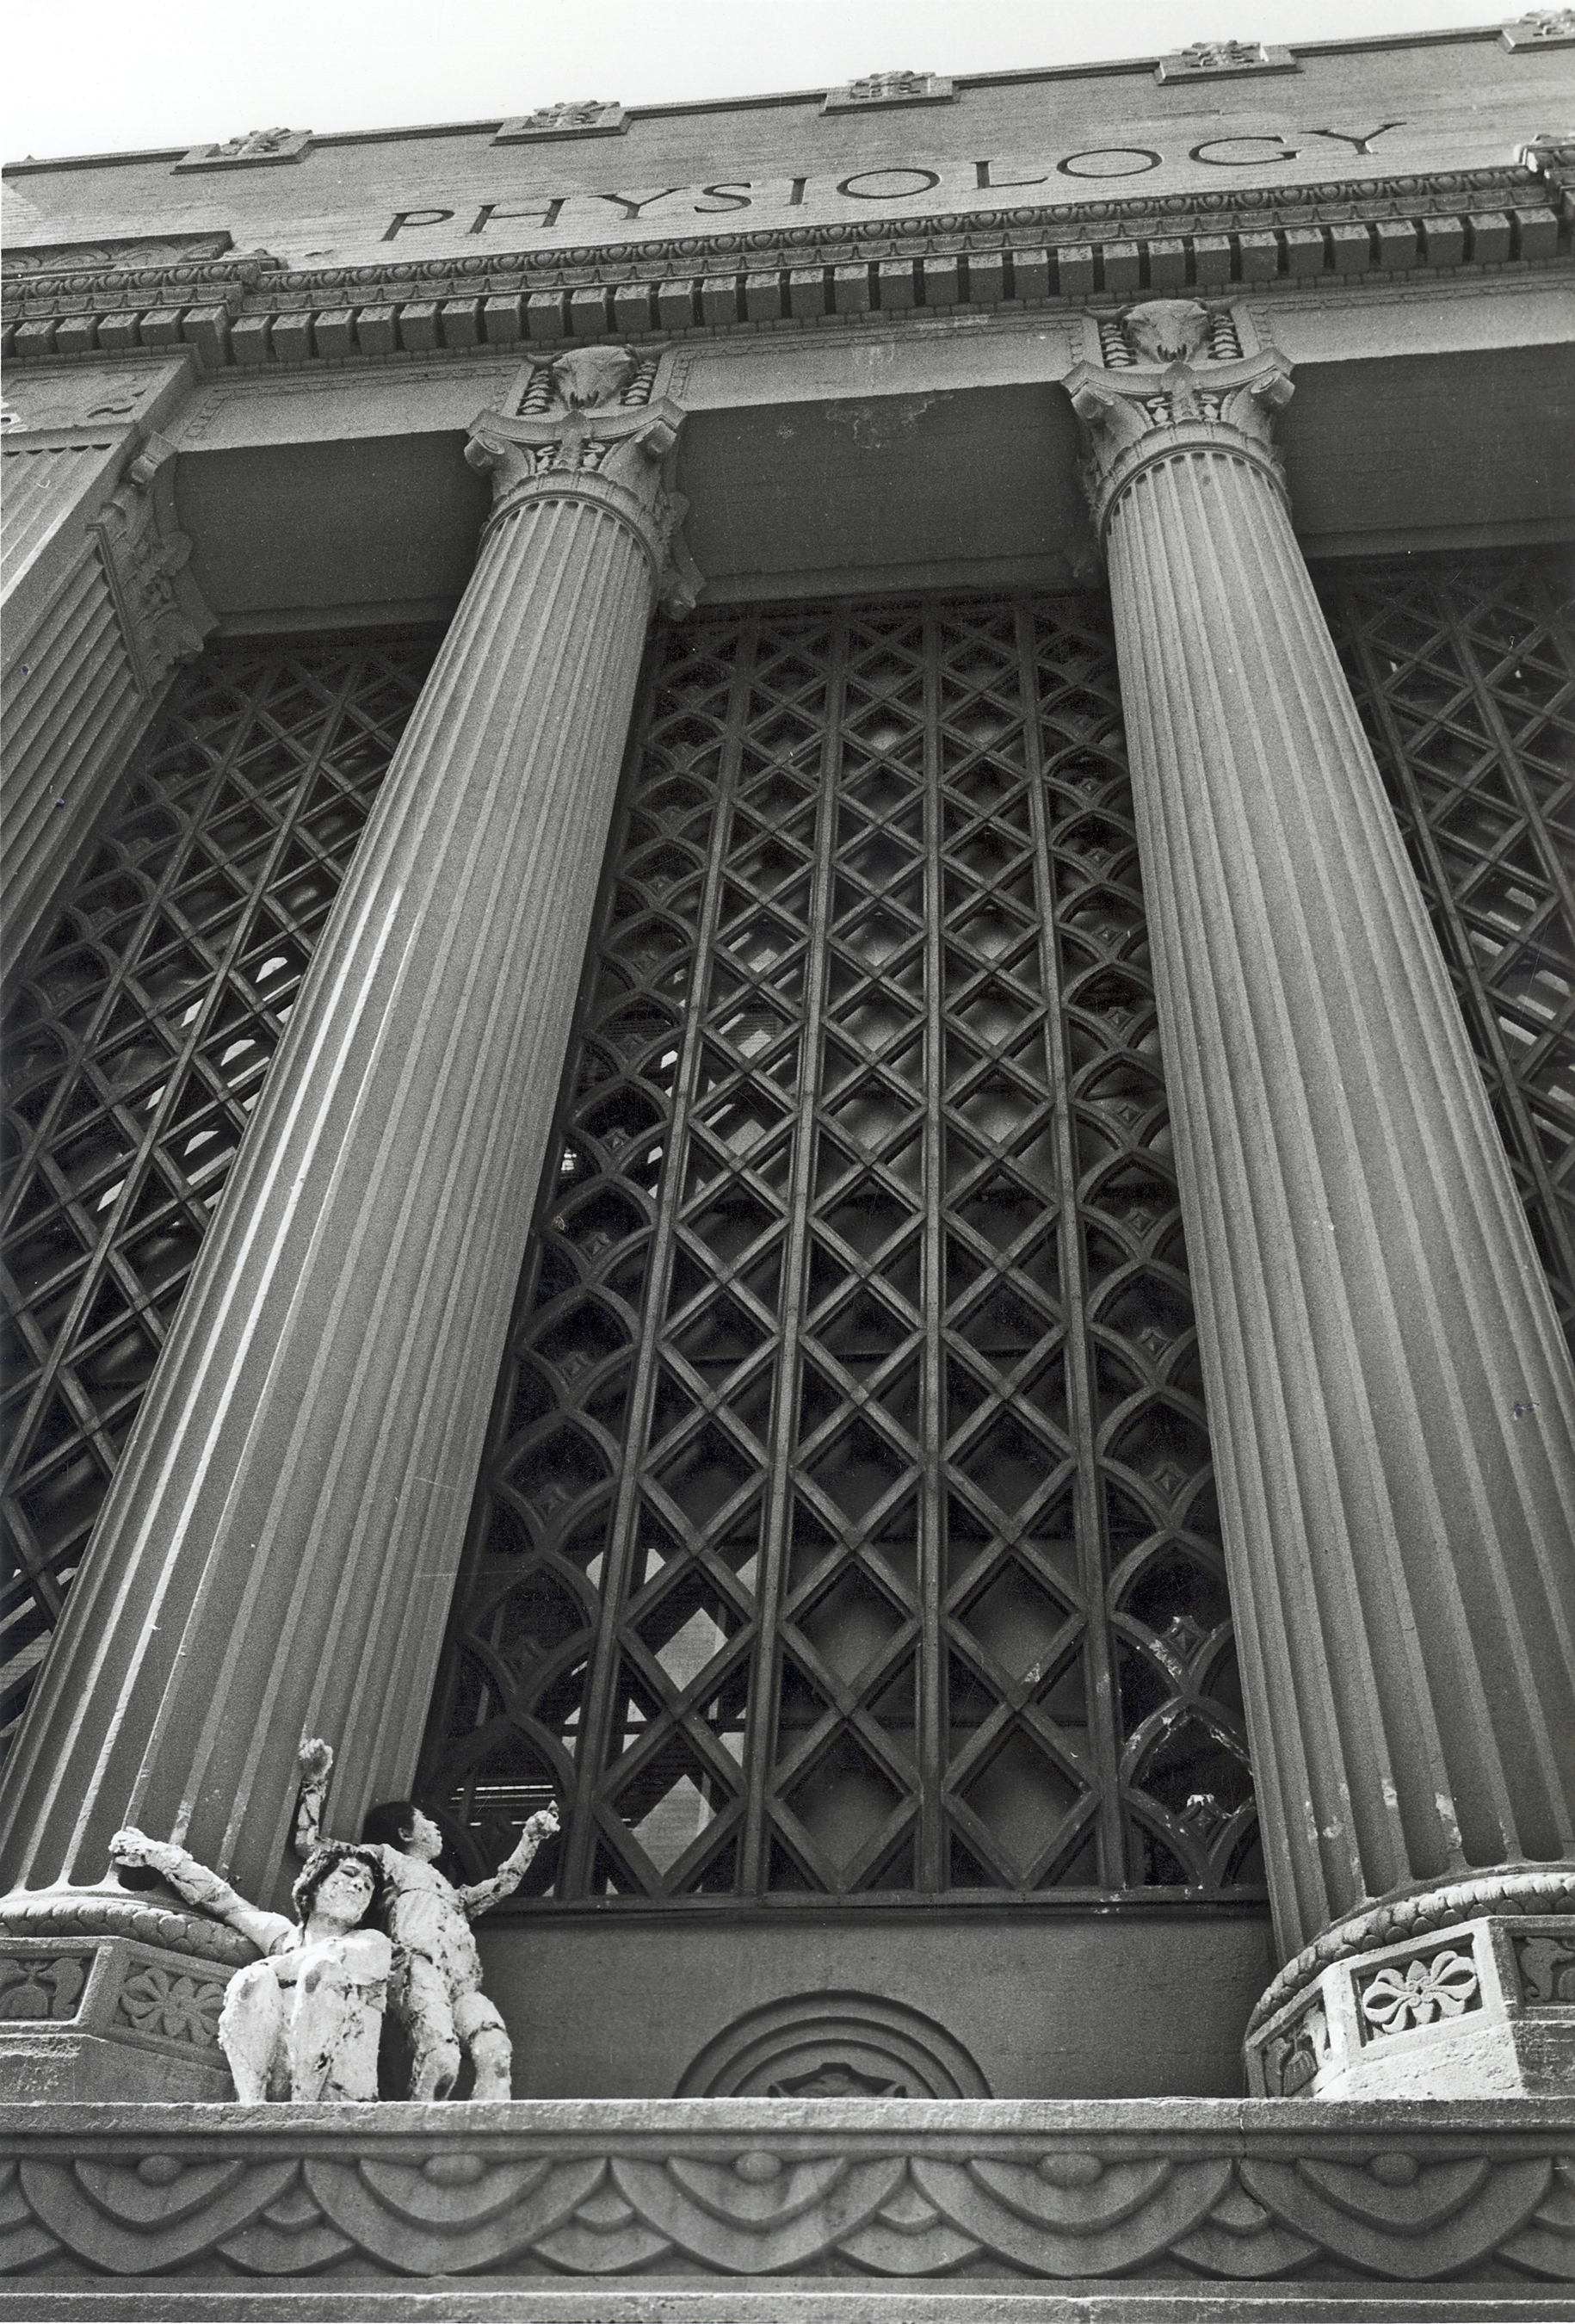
(1390, 1399)
(98, 609)
(278, 1550)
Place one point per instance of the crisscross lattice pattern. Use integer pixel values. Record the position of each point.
(1464, 671)
(847, 1524)
(137, 1047)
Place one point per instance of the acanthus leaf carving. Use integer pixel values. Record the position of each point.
(1172, 380)
(163, 617)
(583, 427)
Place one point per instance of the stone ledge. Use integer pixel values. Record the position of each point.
(1187, 2192)
(789, 2300)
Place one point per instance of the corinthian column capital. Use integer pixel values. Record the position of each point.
(1172, 381)
(584, 428)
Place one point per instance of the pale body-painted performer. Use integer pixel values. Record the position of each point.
(303, 2021)
(435, 1987)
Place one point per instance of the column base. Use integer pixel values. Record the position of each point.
(95, 2012)
(1484, 2009)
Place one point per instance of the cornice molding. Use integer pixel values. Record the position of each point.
(248, 311)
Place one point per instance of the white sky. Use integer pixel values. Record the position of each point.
(100, 76)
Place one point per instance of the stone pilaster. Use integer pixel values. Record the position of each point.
(99, 607)
(279, 1548)
(1391, 1404)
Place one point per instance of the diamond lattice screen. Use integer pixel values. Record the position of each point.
(1464, 672)
(136, 1046)
(847, 1523)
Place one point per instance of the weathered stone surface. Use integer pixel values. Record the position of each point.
(98, 605)
(1232, 2192)
(1390, 1398)
(278, 1544)
(1481, 2008)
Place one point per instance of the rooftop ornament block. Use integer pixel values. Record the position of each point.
(259, 148)
(588, 118)
(1541, 28)
(1215, 60)
(879, 90)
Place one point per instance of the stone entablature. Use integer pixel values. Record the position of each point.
(249, 312)
(1184, 2192)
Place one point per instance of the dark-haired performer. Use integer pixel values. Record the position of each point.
(434, 1989)
(302, 2023)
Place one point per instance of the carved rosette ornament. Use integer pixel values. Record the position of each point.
(1165, 391)
(582, 430)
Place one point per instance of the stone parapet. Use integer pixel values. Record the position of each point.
(939, 2197)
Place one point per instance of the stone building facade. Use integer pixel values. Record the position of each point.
(791, 1052)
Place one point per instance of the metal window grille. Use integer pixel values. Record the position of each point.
(847, 1521)
(136, 1046)
(1464, 671)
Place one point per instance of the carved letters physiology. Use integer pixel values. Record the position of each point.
(778, 2187)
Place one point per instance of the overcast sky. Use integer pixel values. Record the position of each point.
(98, 77)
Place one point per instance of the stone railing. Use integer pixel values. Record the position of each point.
(1185, 2191)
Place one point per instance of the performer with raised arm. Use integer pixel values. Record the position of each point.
(435, 1988)
(303, 2021)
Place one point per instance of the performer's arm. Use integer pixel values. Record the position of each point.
(201, 1887)
(315, 1759)
(511, 1871)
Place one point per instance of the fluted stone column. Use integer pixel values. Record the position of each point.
(1391, 1402)
(98, 607)
(278, 1551)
